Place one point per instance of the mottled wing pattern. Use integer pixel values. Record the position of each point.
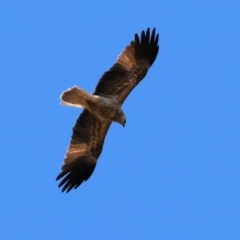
(131, 67)
(84, 149)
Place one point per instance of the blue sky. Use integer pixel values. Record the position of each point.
(173, 172)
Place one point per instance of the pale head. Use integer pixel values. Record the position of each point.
(120, 118)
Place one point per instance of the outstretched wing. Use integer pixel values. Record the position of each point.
(84, 149)
(131, 67)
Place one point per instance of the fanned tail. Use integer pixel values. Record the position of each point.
(74, 97)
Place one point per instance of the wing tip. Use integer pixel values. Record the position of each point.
(146, 45)
(75, 174)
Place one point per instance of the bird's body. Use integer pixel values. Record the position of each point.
(103, 107)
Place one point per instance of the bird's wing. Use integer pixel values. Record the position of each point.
(131, 67)
(85, 147)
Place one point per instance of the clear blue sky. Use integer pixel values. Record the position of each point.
(173, 172)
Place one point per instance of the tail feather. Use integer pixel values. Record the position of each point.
(63, 103)
(74, 97)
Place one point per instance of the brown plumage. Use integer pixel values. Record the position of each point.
(103, 107)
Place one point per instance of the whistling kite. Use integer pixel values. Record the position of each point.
(103, 107)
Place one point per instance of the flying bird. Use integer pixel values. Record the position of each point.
(103, 107)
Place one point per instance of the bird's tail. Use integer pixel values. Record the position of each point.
(75, 97)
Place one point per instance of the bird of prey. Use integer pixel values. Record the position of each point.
(103, 107)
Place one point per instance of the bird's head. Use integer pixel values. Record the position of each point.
(121, 119)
